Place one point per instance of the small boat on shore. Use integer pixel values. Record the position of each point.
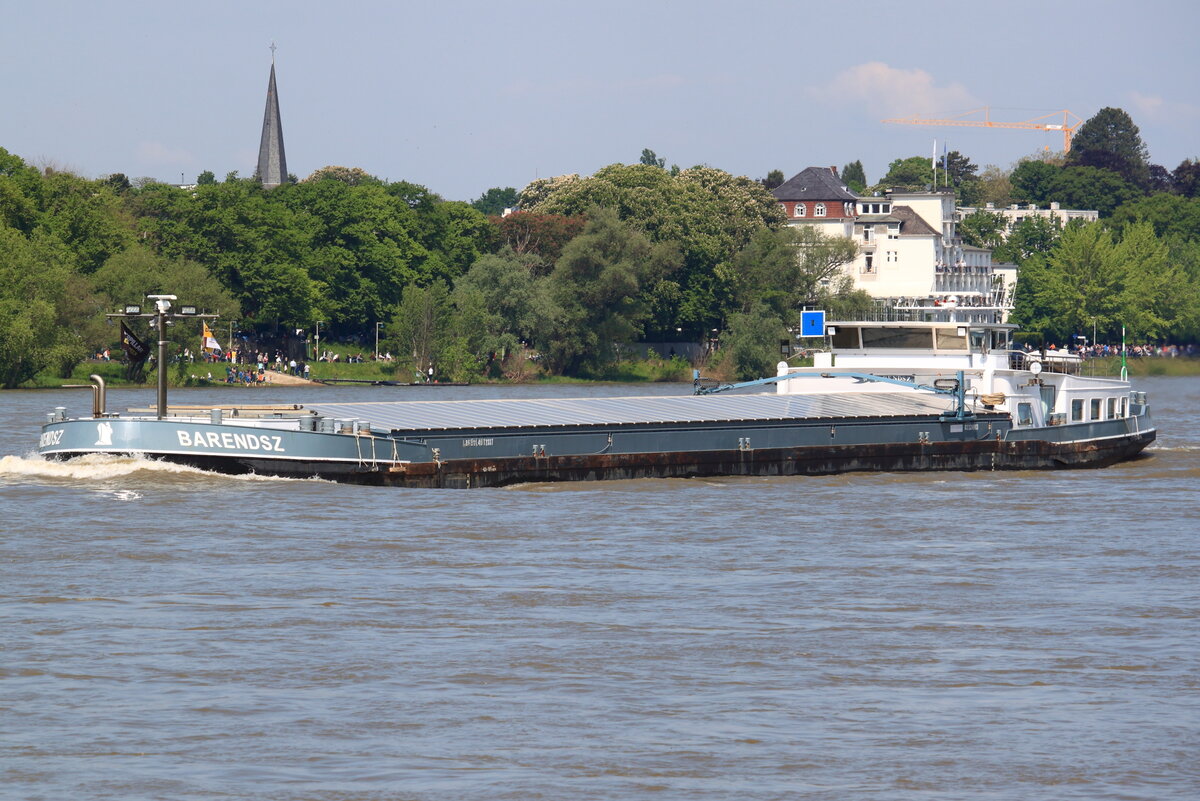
(885, 396)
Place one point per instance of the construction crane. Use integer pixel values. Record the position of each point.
(1035, 124)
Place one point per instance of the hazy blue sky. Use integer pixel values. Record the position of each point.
(468, 95)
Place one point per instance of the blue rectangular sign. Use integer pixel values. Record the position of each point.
(812, 324)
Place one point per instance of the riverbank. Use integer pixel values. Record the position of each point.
(212, 374)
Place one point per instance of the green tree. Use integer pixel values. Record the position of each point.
(1030, 237)
(134, 273)
(354, 176)
(784, 269)
(774, 178)
(995, 187)
(496, 200)
(205, 178)
(1078, 281)
(914, 172)
(1032, 181)
(708, 214)
(961, 174)
(1186, 178)
(1171, 215)
(542, 235)
(597, 295)
(1157, 296)
(118, 182)
(422, 328)
(751, 342)
(509, 292)
(650, 158)
(20, 193)
(360, 249)
(87, 216)
(1091, 188)
(855, 177)
(1089, 279)
(1110, 141)
(33, 278)
(983, 229)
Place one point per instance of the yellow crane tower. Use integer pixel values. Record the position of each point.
(1035, 124)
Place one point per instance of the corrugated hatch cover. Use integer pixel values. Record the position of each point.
(543, 413)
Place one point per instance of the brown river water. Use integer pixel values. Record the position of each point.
(171, 634)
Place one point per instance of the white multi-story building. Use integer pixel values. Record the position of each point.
(909, 251)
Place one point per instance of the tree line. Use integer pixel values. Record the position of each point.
(633, 252)
(637, 252)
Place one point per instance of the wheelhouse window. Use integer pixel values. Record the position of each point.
(1124, 407)
(899, 337)
(845, 338)
(949, 339)
(1076, 410)
(1112, 408)
(1095, 409)
(1024, 414)
(819, 211)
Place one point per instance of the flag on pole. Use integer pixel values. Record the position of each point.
(208, 342)
(135, 350)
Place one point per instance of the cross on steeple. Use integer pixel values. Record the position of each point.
(272, 54)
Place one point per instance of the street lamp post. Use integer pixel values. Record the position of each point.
(317, 355)
(377, 327)
(159, 318)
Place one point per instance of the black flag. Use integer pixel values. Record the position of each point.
(134, 348)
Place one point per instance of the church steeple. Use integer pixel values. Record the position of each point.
(272, 164)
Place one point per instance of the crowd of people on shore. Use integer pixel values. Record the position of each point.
(1098, 351)
(353, 358)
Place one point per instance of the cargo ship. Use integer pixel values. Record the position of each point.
(913, 395)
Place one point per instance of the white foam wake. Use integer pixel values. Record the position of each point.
(102, 466)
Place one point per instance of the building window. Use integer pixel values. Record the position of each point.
(892, 256)
(868, 233)
(893, 231)
(869, 264)
(819, 211)
(799, 212)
